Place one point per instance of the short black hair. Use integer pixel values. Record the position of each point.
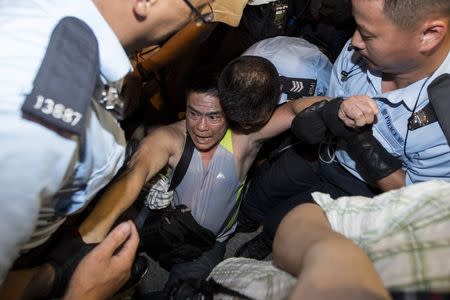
(408, 14)
(249, 91)
(203, 80)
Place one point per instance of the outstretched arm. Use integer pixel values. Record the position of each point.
(152, 155)
(282, 117)
(327, 265)
(179, 44)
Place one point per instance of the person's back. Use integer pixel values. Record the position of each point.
(304, 68)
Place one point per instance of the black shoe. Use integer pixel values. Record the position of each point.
(256, 248)
(246, 224)
(139, 268)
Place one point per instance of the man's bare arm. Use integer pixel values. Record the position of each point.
(282, 117)
(393, 181)
(180, 44)
(327, 265)
(152, 155)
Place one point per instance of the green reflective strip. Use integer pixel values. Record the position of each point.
(236, 211)
(226, 141)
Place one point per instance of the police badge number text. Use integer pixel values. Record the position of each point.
(57, 110)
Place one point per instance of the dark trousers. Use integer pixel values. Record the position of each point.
(196, 269)
(280, 184)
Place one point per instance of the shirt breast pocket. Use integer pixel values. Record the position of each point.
(423, 142)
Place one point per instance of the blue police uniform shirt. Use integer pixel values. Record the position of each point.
(427, 151)
(297, 58)
(40, 168)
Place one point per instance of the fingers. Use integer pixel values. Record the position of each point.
(127, 253)
(367, 112)
(102, 272)
(115, 238)
(358, 111)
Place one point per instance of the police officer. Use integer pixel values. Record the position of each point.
(304, 69)
(398, 58)
(60, 146)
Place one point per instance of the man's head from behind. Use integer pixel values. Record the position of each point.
(205, 119)
(249, 91)
(400, 36)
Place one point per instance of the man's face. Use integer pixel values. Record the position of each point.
(385, 46)
(170, 16)
(205, 121)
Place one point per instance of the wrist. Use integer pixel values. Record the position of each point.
(77, 292)
(93, 233)
(308, 125)
(334, 124)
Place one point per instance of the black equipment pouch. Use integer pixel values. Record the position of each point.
(66, 79)
(172, 236)
(438, 93)
(298, 87)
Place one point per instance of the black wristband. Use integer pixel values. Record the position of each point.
(373, 162)
(308, 125)
(335, 125)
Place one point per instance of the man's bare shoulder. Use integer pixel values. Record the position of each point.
(173, 132)
(168, 138)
